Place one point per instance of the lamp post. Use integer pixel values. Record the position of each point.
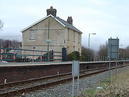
(89, 39)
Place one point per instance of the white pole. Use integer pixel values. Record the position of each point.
(73, 88)
(78, 86)
(117, 84)
(110, 74)
(5, 81)
(89, 41)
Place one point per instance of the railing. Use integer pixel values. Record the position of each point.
(26, 55)
(103, 58)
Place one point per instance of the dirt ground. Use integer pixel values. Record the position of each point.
(115, 86)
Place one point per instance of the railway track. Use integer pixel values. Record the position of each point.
(16, 88)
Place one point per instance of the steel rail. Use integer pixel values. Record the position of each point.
(54, 82)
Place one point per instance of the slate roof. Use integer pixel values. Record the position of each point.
(58, 19)
(68, 25)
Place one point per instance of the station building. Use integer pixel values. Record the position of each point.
(52, 33)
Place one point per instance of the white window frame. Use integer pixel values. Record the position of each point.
(32, 35)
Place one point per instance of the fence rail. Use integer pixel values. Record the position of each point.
(27, 55)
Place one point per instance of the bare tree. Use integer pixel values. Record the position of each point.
(9, 44)
(1, 24)
(124, 53)
(103, 50)
(102, 53)
(87, 54)
(1, 43)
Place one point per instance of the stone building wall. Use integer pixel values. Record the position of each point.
(59, 35)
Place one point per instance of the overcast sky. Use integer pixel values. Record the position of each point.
(106, 18)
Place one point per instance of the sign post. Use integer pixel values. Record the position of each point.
(75, 73)
(113, 53)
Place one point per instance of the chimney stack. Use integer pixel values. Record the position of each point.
(70, 20)
(51, 11)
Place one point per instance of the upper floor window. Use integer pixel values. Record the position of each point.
(32, 35)
(68, 35)
(79, 38)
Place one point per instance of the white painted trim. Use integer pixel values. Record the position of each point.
(35, 23)
(58, 21)
(42, 20)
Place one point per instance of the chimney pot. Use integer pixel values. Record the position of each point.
(51, 11)
(70, 20)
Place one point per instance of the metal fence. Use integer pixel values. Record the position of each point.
(102, 58)
(26, 55)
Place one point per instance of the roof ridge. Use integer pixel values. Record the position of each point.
(58, 19)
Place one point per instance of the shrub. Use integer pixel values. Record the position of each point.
(74, 56)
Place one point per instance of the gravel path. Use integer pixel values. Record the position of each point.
(65, 90)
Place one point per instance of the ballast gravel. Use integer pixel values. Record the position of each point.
(65, 90)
